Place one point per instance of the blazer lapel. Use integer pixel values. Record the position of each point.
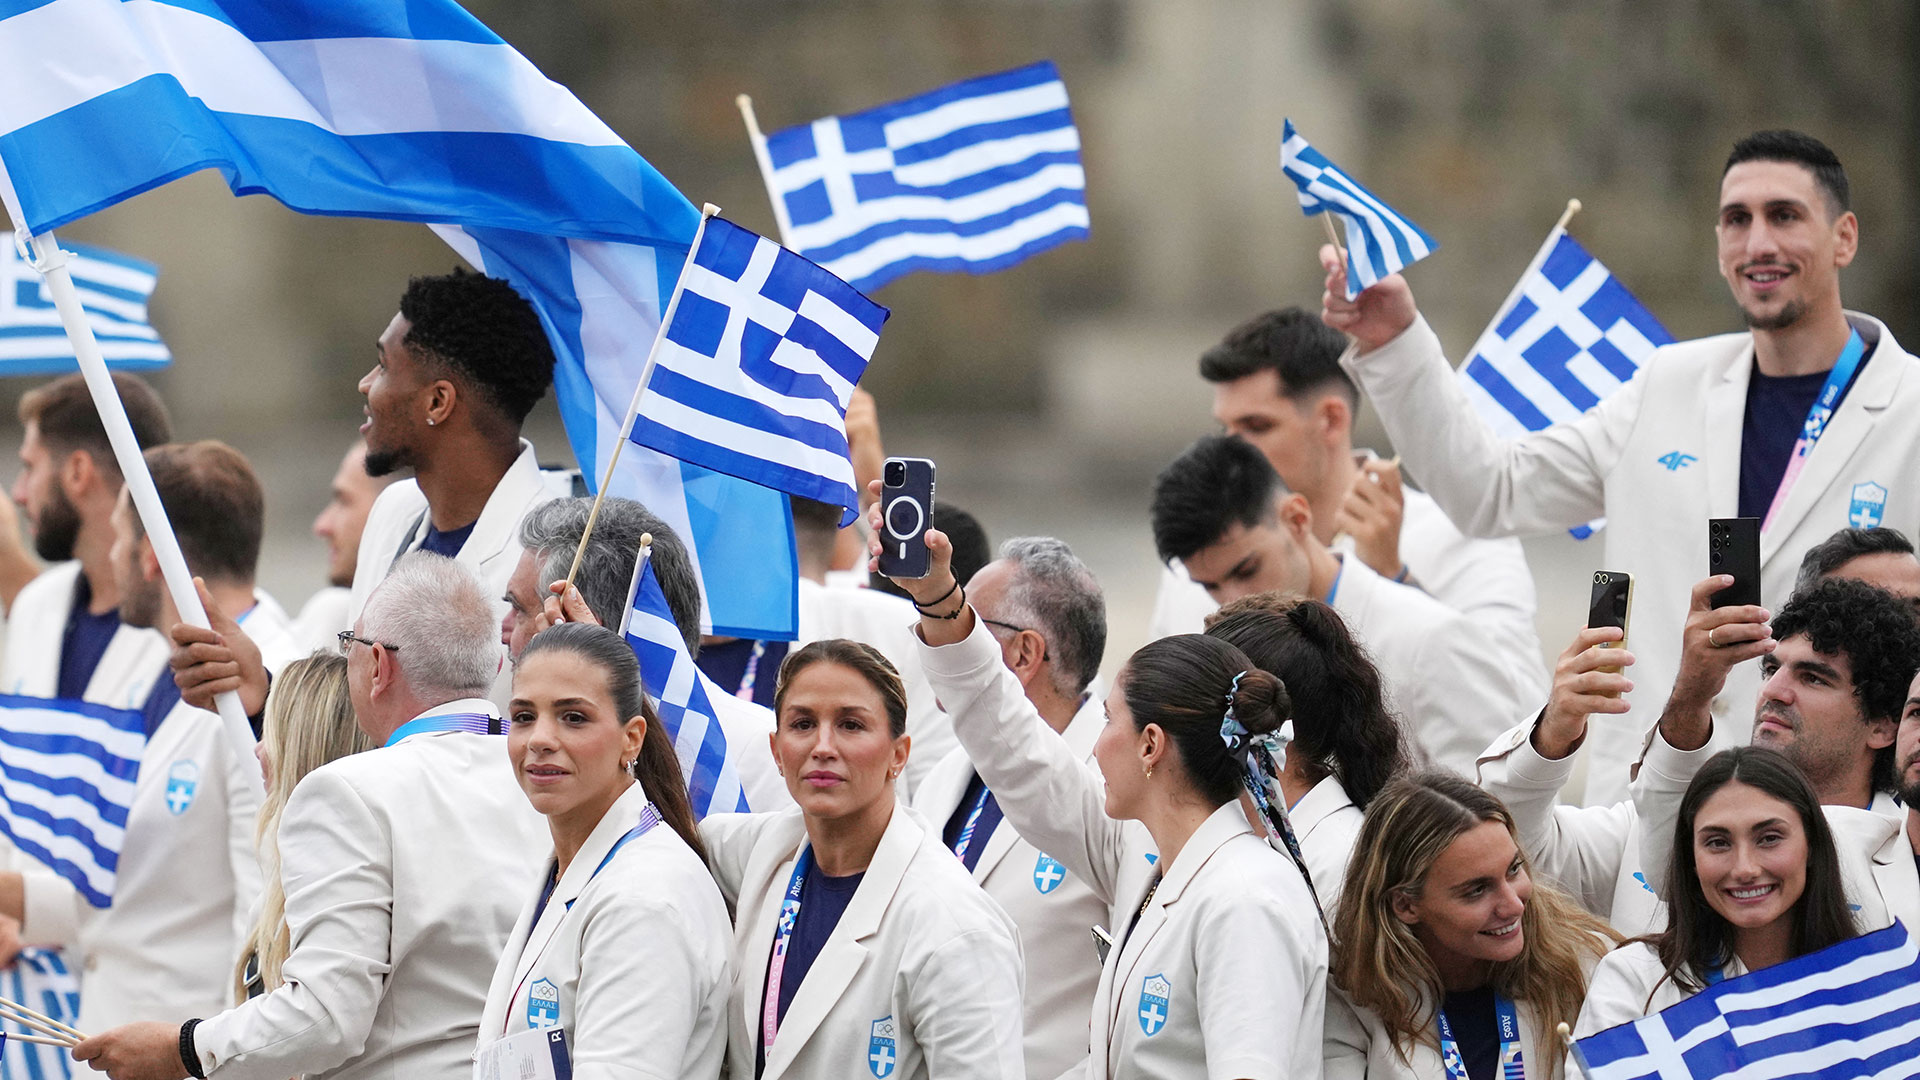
(998, 845)
(614, 824)
(1725, 417)
(844, 954)
(500, 995)
(1104, 995)
(499, 520)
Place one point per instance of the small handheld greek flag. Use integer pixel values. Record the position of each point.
(1380, 240)
(975, 176)
(114, 290)
(41, 980)
(755, 366)
(1851, 1009)
(680, 696)
(1569, 335)
(67, 776)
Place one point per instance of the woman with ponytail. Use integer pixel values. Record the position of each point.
(1216, 963)
(1342, 745)
(626, 946)
(1450, 961)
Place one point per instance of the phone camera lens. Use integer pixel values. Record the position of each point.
(896, 473)
(1715, 558)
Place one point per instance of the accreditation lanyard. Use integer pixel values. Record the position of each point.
(476, 723)
(1511, 1067)
(965, 841)
(1817, 417)
(783, 934)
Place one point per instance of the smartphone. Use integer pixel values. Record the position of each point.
(906, 512)
(1611, 604)
(1733, 547)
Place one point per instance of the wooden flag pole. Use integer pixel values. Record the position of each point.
(639, 388)
(765, 161)
(1565, 1032)
(1333, 236)
(1573, 207)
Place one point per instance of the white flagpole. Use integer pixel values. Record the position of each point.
(51, 262)
(760, 155)
(1539, 257)
(639, 389)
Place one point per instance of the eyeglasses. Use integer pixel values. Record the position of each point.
(348, 637)
(1046, 651)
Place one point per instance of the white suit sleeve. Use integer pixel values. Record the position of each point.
(1465, 693)
(51, 906)
(729, 840)
(1344, 1053)
(1054, 800)
(966, 998)
(643, 978)
(1580, 848)
(334, 862)
(1542, 481)
(1616, 992)
(1664, 776)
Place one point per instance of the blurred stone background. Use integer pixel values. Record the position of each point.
(1049, 394)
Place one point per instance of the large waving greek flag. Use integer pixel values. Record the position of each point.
(1850, 1010)
(67, 776)
(411, 112)
(975, 176)
(1380, 240)
(114, 290)
(1569, 335)
(681, 697)
(754, 371)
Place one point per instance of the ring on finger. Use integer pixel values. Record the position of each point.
(1710, 640)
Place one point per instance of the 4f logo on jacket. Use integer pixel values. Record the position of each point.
(1674, 460)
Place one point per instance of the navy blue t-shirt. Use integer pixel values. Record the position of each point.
(1476, 1031)
(990, 817)
(83, 643)
(446, 543)
(823, 900)
(726, 663)
(1776, 412)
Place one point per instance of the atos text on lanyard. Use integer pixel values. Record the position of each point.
(1822, 411)
(1511, 1067)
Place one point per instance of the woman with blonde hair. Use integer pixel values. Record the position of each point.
(1449, 960)
(309, 722)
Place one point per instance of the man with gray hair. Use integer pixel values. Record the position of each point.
(1047, 611)
(403, 867)
(601, 592)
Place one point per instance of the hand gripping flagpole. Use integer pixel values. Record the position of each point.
(639, 389)
(46, 257)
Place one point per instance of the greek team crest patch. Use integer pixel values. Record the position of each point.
(882, 1050)
(183, 783)
(1868, 506)
(1048, 873)
(543, 1005)
(1155, 991)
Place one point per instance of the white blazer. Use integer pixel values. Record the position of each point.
(404, 868)
(1624, 983)
(630, 958)
(920, 980)
(1227, 965)
(747, 725)
(1327, 824)
(885, 622)
(1656, 459)
(1054, 908)
(36, 633)
(1486, 579)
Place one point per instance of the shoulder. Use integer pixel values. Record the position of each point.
(941, 902)
(1633, 965)
(51, 586)
(1684, 357)
(395, 507)
(728, 834)
(657, 876)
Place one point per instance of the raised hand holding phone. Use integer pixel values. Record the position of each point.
(945, 617)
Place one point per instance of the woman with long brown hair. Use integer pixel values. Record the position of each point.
(1450, 961)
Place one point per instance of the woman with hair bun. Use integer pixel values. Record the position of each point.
(1217, 965)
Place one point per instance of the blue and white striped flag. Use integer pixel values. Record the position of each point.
(67, 776)
(682, 696)
(1849, 1010)
(41, 980)
(113, 288)
(975, 176)
(1569, 335)
(755, 368)
(1380, 240)
(409, 112)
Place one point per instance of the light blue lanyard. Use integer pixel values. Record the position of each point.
(1818, 415)
(476, 723)
(965, 840)
(783, 934)
(1511, 1067)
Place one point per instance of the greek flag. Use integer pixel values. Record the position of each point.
(1568, 335)
(409, 112)
(67, 776)
(41, 980)
(757, 364)
(1849, 1010)
(1380, 241)
(113, 288)
(975, 176)
(681, 696)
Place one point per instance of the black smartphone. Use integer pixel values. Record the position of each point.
(1611, 604)
(1733, 547)
(906, 512)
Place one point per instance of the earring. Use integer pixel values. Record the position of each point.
(429, 421)
(1149, 772)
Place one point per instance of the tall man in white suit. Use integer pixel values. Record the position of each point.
(1704, 429)
(1047, 611)
(404, 867)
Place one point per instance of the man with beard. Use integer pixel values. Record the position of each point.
(65, 638)
(1707, 428)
